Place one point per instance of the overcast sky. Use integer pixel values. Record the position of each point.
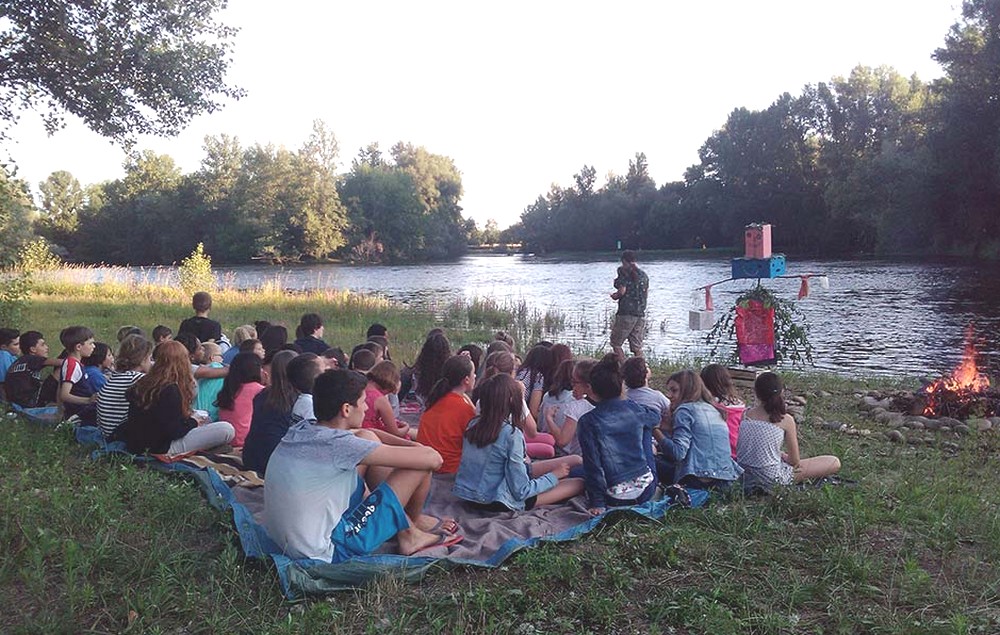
(519, 94)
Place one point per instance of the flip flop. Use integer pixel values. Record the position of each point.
(444, 540)
(438, 527)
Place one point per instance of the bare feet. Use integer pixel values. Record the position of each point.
(436, 525)
(413, 540)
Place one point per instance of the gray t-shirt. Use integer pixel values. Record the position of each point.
(302, 410)
(310, 479)
(573, 410)
(646, 396)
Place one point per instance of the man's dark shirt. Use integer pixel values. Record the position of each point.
(633, 301)
(202, 327)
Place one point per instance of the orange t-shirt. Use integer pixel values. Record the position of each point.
(442, 428)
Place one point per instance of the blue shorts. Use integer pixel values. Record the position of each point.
(368, 523)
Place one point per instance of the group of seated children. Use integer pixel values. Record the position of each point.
(347, 447)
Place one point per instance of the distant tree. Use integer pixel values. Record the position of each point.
(15, 217)
(124, 68)
(62, 201)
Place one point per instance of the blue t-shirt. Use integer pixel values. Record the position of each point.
(95, 377)
(6, 359)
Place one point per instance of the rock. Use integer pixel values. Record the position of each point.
(799, 418)
(816, 422)
(793, 410)
(914, 424)
(825, 394)
(949, 446)
(930, 440)
(833, 425)
(914, 440)
(930, 424)
(895, 436)
(949, 421)
(984, 425)
(895, 423)
(995, 421)
(962, 429)
(944, 429)
(871, 402)
(882, 416)
(798, 400)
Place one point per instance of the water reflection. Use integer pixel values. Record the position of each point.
(882, 317)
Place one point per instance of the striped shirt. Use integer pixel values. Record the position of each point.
(112, 407)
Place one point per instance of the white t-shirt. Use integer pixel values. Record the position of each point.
(310, 479)
(646, 396)
(548, 403)
(574, 410)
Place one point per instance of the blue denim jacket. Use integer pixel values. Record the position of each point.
(617, 443)
(497, 472)
(700, 444)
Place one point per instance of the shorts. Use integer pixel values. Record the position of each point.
(497, 506)
(632, 327)
(368, 523)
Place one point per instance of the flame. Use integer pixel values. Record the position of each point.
(963, 380)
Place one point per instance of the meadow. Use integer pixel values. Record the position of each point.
(109, 547)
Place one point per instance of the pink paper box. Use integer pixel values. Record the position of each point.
(758, 241)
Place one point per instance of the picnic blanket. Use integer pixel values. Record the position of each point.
(490, 538)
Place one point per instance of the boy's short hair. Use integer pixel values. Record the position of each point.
(127, 330)
(247, 346)
(7, 336)
(28, 341)
(212, 349)
(71, 336)
(303, 370)
(336, 353)
(377, 329)
(189, 340)
(362, 360)
(310, 323)
(333, 389)
(161, 332)
(201, 301)
(634, 371)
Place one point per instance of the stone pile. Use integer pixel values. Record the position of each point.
(916, 429)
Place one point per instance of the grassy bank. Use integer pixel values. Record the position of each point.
(107, 547)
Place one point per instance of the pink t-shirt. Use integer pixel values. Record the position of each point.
(242, 411)
(372, 418)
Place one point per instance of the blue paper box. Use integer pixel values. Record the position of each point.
(759, 267)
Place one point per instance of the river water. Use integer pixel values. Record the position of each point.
(877, 316)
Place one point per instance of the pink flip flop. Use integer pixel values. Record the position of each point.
(444, 540)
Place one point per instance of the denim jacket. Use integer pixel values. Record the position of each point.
(617, 443)
(700, 444)
(497, 472)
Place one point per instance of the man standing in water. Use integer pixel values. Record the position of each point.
(631, 289)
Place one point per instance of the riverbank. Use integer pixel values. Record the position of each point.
(111, 547)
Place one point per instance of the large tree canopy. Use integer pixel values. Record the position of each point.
(124, 68)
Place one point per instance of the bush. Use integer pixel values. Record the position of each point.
(37, 256)
(14, 293)
(195, 271)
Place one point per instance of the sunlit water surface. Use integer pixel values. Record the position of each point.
(877, 317)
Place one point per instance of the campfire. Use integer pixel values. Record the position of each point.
(966, 393)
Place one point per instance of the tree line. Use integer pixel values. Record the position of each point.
(256, 202)
(874, 162)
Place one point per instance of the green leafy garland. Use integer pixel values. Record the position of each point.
(791, 332)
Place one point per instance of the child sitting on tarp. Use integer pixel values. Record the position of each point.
(76, 396)
(494, 474)
(316, 504)
(616, 439)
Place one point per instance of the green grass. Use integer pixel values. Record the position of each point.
(106, 546)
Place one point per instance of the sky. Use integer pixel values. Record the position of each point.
(520, 95)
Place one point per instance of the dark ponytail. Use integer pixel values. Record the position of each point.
(770, 393)
(456, 368)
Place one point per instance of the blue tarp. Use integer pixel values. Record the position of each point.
(303, 577)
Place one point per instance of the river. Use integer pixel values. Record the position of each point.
(877, 316)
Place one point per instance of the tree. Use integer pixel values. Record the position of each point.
(124, 68)
(62, 201)
(15, 217)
